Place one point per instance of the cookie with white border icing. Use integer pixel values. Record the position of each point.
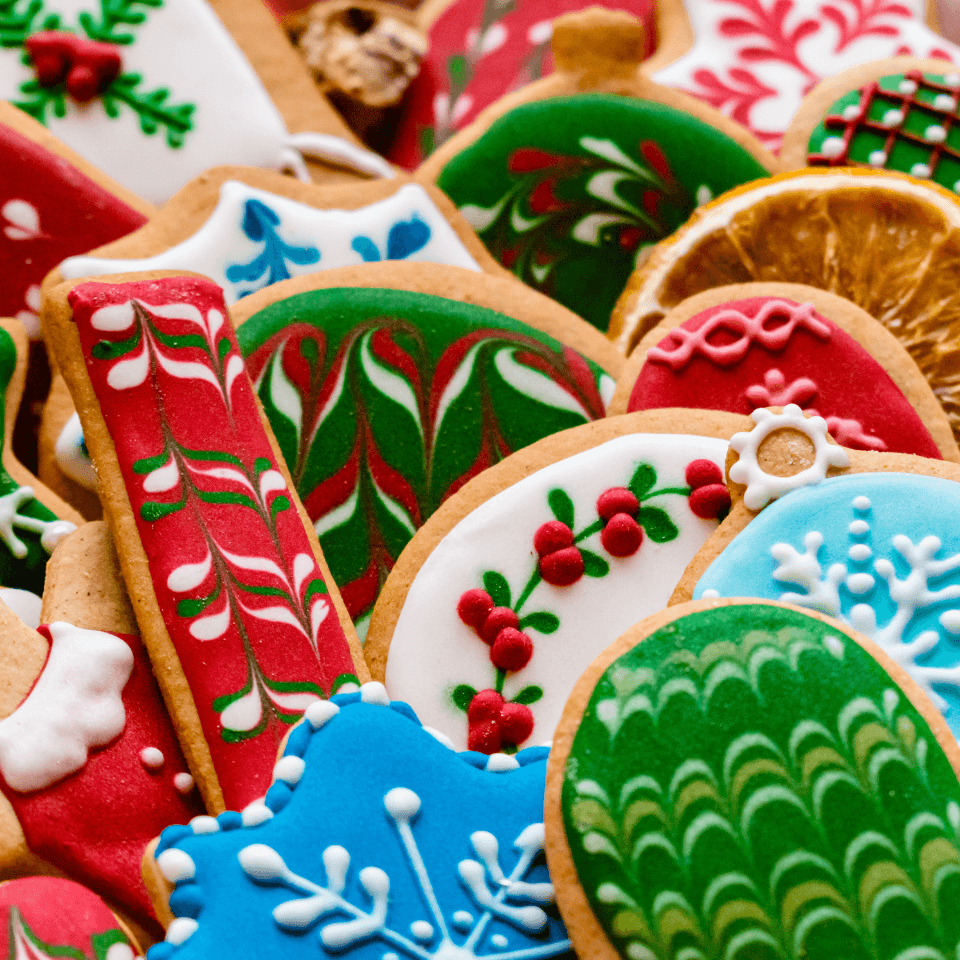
(234, 602)
(754, 345)
(375, 840)
(748, 780)
(508, 592)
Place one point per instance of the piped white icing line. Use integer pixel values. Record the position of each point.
(221, 243)
(71, 457)
(75, 706)
(326, 146)
(762, 487)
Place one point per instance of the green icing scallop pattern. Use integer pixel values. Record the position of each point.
(749, 784)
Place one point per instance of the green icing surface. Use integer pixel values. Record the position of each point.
(875, 142)
(570, 193)
(415, 394)
(747, 784)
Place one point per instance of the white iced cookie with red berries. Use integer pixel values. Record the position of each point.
(513, 587)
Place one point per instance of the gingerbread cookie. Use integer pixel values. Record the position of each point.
(744, 779)
(153, 92)
(755, 345)
(233, 600)
(756, 61)
(407, 849)
(509, 591)
(570, 181)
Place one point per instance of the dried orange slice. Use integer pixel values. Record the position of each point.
(888, 242)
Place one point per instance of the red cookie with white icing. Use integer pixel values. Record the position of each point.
(755, 345)
(46, 917)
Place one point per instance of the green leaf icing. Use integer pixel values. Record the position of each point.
(748, 783)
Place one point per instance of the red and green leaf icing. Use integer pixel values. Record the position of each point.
(232, 566)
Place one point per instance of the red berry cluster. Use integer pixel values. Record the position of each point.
(561, 563)
(621, 535)
(709, 496)
(86, 66)
(495, 723)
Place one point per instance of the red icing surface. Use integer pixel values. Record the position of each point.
(832, 374)
(255, 633)
(511, 58)
(60, 912)
(74, 214)
(96, 823)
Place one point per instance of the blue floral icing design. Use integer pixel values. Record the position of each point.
(260, 223)
(375, 840)
(404, 239)
(847, 548)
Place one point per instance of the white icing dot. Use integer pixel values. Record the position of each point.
(183, 782)
(151, 757)
(402, 804)
(499, 941)
(861, 503)
(120, 951)
(859, 527)
(375, 693)
(921, 170)
(943, 101)
(832, 147)
(704, 194)
(935, 133)
(261, 862)
(348, 688)
(176, 865)
(851, 111)
(422, 930)
(860, 583)
(952, 80)
(860, 552)
(289, 769)
(204, 825)
(319, 712)
(956, 187)
(256, 814)
(953, 814)
(181, 930)
(950, 621)
(442, 737)
(462, 919)
(54, 533)
(890, 701)
(501, 762)
(834, 645)
(710, 594)
(877, 158)
(391, 956)
(892, 118)
(907, 86)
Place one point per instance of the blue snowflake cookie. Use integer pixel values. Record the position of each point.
(375, 842)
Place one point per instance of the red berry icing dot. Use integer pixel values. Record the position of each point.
(511, 650)
(497, 620)
(622, 536)
(516, 723)
(562, 567)
(484, 737)
(617, 500)
(474, 607)
(710, 501)
(552, 536)
(485, 705)
(702, 473)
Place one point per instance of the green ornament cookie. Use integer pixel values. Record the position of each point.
(906, 122)
(385, 402)
(570, 193)
(747, 782)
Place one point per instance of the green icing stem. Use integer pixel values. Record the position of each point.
(570, 193)
(748, 783)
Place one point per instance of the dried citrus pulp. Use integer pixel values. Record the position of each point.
(888, 242)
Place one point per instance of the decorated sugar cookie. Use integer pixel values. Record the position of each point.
(52, 204)
(386, 402)
(519, 581)
(89, 762)
(746, 780)
(374, 840)
(52, 917)
(755, 61)
(754, 345)
(480, 50)
(233, 600)
(569, 182)
(154, 92)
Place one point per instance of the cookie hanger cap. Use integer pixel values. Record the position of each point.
(597, 42)
(761, 486)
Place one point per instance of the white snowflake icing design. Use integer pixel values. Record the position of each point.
(491, 889)
(909, 594)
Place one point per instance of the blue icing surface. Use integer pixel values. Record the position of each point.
(880, 552)
(379, 801)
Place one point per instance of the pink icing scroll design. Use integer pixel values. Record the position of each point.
(748, 330)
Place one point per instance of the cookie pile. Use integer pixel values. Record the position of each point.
(549, 548)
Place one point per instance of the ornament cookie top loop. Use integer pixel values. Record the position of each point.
(762, 487)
